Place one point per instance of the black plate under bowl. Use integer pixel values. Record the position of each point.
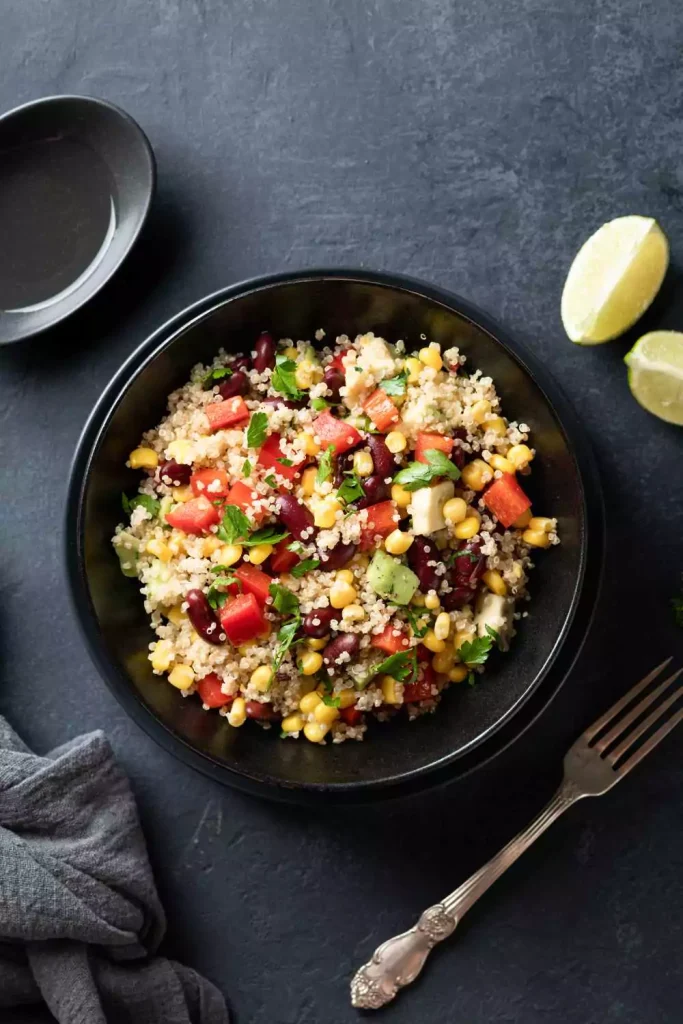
(472, 723)
(77, 177)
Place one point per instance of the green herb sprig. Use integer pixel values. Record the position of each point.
(420, 474)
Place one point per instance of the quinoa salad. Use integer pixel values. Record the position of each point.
(330, 533)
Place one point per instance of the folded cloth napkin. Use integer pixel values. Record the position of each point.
(80, 918)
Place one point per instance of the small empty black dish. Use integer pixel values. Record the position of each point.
(77, 177)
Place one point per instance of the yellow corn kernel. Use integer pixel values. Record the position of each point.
(432, 602)
(176, 542)
(261, 678)
(183, 494)
(520, 455)
(292, 723)
(325, 512)
(176, 615)
(442, 626)
(162, 656)
(237, 715)
(318, 645)
(291, 353)
(495, 582)
(414, 368)
(309, 702)
(143, 458)
(467, 528)
(476, 475)
(461, 637)
(353, 613)
(182, 677)
(210, 544)
(497, 424)
(443, 663)
(401, 496)
(316, 732)
(388, 687)
(480, 410)
(180, 451)
(230, 554)
(455, 510)
(363, 464)
(397, 543)
(458, 674)
(259, 553)
(418, 599)
(307, 443)
(345, 576)
(432, 642)
(501, 463)
(342, 594)
(307, 374)
(311, 662)
(159, 549)
(347, 698)
(536, 538)
(308, 481)
(431, 356)
(395, 441)
(541, 523)
(325, 714)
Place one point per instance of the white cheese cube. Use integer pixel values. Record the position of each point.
(427, 508)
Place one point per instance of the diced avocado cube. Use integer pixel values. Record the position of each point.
(390, 579)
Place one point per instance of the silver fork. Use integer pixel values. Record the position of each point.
(594, 764)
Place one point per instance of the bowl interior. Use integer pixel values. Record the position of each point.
(115, 619)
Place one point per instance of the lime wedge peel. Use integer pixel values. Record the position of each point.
(655, 374)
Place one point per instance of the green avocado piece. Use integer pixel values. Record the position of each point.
(390, 579)
(127, 550)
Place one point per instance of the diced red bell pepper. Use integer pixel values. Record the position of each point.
(388, 641)
(271, 453)
(332, 431)
(382, 519)
(352, 716)
(243, 619)
(381, 410)
(281, 559)
(421, 689)
(212, 483)
(243, 496)
(252, 580)
(229, 413)
(210, 693)
(194, 516)
(426, 442)
(262, 709)
(338, 361)
(506, 499)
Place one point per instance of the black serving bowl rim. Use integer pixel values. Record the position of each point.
(146, 149)
(509, 727)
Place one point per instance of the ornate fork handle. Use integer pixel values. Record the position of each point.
(398, 961)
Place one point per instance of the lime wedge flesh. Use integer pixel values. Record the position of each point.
(655, 374)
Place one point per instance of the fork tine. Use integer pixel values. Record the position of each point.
(598, 726)
(608, 739)
(628, 741)
(650, 744)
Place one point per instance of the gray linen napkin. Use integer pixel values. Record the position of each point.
(80, 918)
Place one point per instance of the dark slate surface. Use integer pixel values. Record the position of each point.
(475, 145)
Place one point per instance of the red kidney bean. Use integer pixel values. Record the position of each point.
(277, 400)
(264, 358)
(382, 459)
(262, 710)
(174, 474)
(420, 553)
(468, 565)
(457, 598)
(334, 379)
(318, 622)
(203, 617)
(342, 465)
(296, 517)
(337, 557)
(376, 489)
(343, 643)
(236, 384)
(240, 362)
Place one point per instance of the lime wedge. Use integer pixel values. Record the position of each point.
(655, 374)
(613, 279)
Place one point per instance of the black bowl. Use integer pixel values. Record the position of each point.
(473, 722)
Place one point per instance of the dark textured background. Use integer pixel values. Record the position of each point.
(474, 145)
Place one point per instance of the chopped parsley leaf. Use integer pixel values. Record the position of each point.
(395, 385)
(271, 481)
(402, 666)
(257, 430)
(475, 652)
(284, 601)
(420, 474)
(302, 568)
(246, 468)
(267, 535)
(319, 404)
(146, 501)
(351, 489)
(325, 465)
(214, 375)
(235, 525)
(283, 379)
(285, 462)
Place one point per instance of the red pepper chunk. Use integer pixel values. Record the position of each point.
(251, 581)
(281, 559)
(243, 619)
(210, 693)
(270, 455)
(243, 497)
(421, 689)
(230, 413)
(212, 483)
(382, 519)
(381, 410)
(428, 442)
(388, 641)
(331, 431)
(506, 499)
(352, 716)
(195, 516)
(338, 361)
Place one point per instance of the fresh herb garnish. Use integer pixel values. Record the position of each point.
(395, 385)
(226, 569)
(319, 404)
(146, 501)
(285, 638)
(214, 375)
(234, 526)
(325, 465)
(283, 379)
(302, 568)
(475, 652)
(401, 666)
(287, 604)
(271, 481)
(285, 462)
(284, 601)
(415, 619)
(266, 535)
(246, 468)
(217, 597)
(332, 702)
(351, 489)
(257, 430)
(421, 474)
